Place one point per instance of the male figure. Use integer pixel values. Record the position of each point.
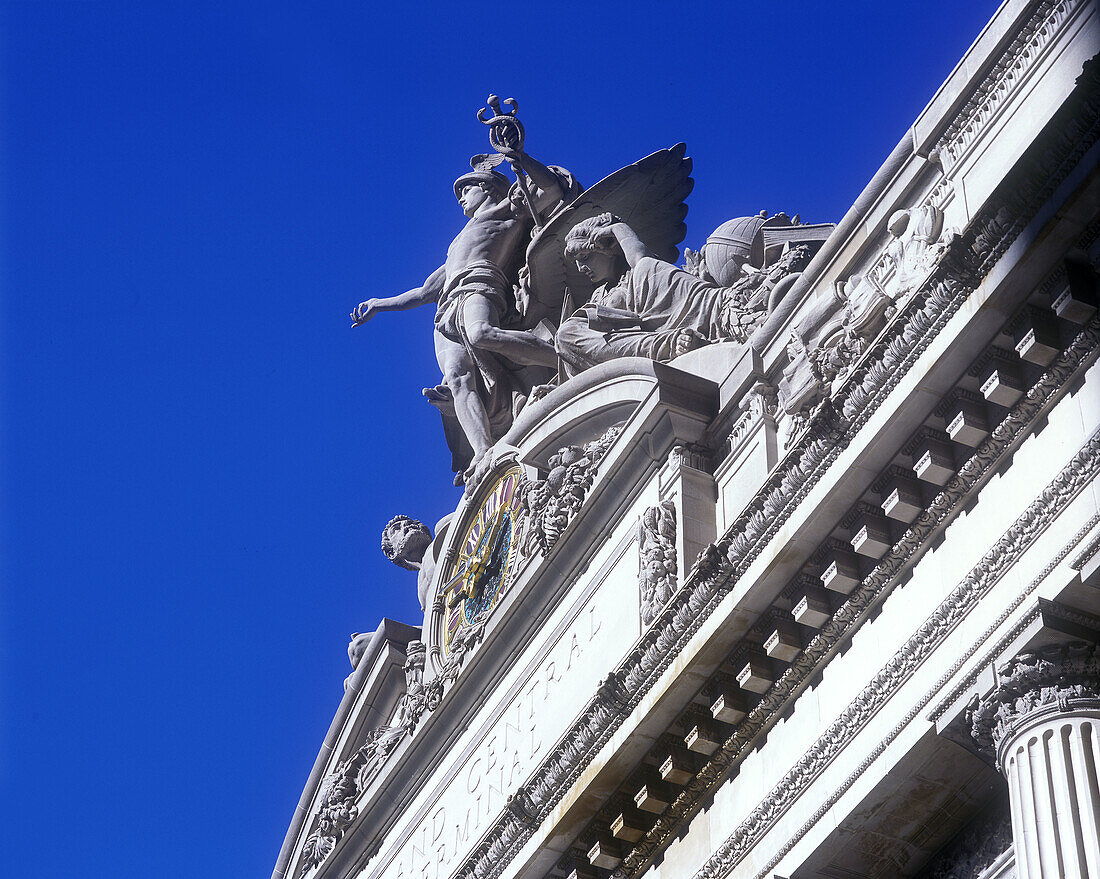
(405, 542)
(473, 292)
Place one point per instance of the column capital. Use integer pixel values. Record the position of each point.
(1047, 680)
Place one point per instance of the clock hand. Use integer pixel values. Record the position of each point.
(472, 573)
(497, 519)
(485, 548)
(454, 579)
(497, 556)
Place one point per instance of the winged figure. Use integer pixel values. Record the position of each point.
(648, 196)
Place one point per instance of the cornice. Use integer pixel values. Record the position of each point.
(1004, 79)
(961, 268)
(872, 591)
(1081, 469)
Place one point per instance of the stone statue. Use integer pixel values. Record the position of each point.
(404, 542)
(646, 307)
(642, 306)
(506, 284)
(476, 306)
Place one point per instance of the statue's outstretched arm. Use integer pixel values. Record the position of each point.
(633, 248)
(429, 291)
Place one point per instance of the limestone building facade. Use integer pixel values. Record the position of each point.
(818, 596)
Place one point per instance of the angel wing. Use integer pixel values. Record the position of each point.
(648, 196)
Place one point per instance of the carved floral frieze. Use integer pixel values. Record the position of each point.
(550, 504)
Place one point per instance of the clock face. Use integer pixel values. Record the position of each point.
(486, 554)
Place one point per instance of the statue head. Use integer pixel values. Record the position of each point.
(485, 177)
(898, 223)
(404, 542)
(594, 247)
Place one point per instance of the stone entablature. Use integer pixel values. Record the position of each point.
(890, 345)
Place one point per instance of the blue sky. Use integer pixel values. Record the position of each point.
(198, 453)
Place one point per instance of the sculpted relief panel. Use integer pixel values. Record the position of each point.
(657, 558)
(828, 341)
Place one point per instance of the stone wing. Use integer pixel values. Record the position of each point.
(648, 196)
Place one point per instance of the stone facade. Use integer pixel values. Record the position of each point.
(818, 597)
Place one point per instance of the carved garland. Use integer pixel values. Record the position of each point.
(913, 330)
(656, 558)
(550, 504)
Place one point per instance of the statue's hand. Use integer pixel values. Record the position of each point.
(363, 312)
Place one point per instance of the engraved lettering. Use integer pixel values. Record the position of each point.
(574, 650)
(473, 774)
(462, 830)
(594, 622)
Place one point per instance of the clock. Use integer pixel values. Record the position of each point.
(484, 554)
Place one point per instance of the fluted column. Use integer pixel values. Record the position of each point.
(1042, 721)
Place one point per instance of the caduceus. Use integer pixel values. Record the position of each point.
(506, 136)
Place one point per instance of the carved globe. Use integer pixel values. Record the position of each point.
(736, 242)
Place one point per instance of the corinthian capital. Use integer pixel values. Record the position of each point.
(1056, 678)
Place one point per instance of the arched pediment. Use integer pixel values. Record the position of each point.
(584, 407)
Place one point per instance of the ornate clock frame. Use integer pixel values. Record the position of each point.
(480, 559)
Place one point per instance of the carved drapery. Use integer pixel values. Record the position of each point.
(1042, 721)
